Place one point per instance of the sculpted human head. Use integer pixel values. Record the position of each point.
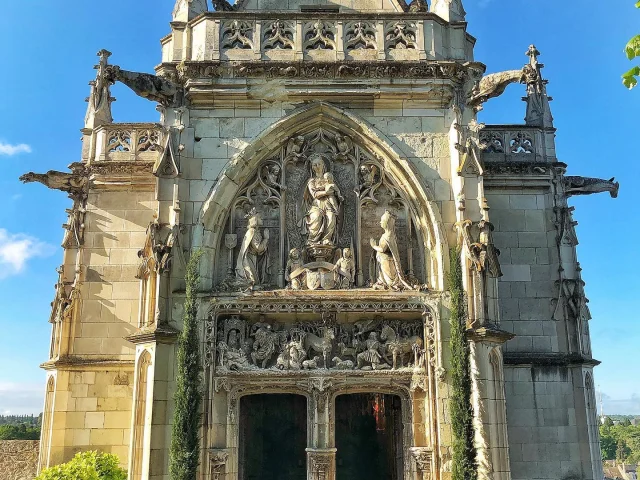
(294, 254)
(317, 165)
(388, 221)
(347, 253)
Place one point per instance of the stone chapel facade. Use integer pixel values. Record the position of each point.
(327, 160)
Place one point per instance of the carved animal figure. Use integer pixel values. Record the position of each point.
(146, 85)
(324, 345)
(398, 347)
(311, 364)
(222, 6)
(342, 364)
(67, 182)
(587, 186)
(492, 86)
(349, 351)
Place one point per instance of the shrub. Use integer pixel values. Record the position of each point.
(86, 466)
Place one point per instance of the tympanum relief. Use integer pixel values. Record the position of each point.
(321, 213)
(367, 345)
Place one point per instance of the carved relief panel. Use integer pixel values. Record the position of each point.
(321, 214)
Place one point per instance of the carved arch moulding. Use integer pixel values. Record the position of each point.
(321, 201)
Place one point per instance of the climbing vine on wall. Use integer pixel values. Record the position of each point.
(464, 453)
(185, 443)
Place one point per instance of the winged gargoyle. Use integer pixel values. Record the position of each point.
(492, 86)
(72, 183)
(146, 85)
(588, 186)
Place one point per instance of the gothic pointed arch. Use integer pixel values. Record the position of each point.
(371, 175)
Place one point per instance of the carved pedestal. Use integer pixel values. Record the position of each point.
(218, 463)
(321, 464)
(423, 458)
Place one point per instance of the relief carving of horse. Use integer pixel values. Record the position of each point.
(398, 347)
(322, 345)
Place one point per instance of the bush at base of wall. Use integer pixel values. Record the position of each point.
(88, 466)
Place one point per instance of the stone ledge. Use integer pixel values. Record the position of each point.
(548, 359)
(83, 363)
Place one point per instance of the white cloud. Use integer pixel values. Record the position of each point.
(17, 249)
(8, 149)
(21, 398)
(619, 406)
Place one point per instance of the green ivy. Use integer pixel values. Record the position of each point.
(184, 455)
(464, 465)
(633, 51)
(86, 466)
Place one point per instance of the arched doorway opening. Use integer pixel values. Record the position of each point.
(369, 435)
(273, 437)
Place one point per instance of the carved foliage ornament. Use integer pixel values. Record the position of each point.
(237, 34)
(360, 35)
(401, 35)
(279, 35)
(319, 35)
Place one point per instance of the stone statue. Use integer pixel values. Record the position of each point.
(271, 175)
(398, 347)
(292, 357)
(146, 85)
(321, 204)
(388, 257)
(492, 86)
(371, 355)
(294, 148)
(232, 354)
(252, 266)
(294, 272)
(346, 270)
(589, 186)
(265, 344)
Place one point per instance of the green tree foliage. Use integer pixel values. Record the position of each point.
(464, 465)
(19, 432)
(620, 442)
(185, 443)
(86, 466)
(633, 51)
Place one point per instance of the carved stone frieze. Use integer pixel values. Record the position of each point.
(374, 344)
(515, 168)
(217, 462)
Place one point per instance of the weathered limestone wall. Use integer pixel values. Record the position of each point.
(116, 224)
(92, 411)
(18, 459)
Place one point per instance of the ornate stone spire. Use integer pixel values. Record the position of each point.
(450, 10)
(99, 109)
(538, 108)
(186, 10)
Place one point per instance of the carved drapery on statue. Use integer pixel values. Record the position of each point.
(320, 200)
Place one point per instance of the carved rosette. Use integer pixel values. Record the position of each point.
(321, 463)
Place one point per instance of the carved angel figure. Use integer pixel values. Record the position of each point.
(368, 177)
(294, 272)
(388, 256)
(294, 148)
(344, 144)
(321, 204)
(252, 266)
(346, 270)
(271, 175)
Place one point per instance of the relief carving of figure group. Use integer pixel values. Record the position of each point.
(305, 219)
(375, 344)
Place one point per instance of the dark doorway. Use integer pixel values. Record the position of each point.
(369, 437)
(273, 437)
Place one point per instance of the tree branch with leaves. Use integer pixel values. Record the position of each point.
(632, 50)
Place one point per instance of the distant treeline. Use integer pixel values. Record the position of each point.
(20, 419)
(620, 442)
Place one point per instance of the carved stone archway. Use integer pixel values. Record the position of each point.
(244, 165)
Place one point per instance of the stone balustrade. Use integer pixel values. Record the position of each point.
(129, 142)
(513, 143)
(327, 37)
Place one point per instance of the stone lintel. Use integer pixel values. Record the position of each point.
(548, 359)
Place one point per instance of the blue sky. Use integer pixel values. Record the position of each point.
(48, 50)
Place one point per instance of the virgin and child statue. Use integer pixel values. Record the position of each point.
(321, 203)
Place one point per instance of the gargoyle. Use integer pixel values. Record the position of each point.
(67, 182)
(222, 6)
(492, 86)
(146, 85)
(589, 186)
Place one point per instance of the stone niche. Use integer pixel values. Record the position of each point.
(322, 213)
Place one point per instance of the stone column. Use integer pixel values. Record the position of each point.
(321, 463)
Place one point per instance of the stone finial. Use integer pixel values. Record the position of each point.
(450, 10)
(186, 10)
(538, 109)
(99, 109)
